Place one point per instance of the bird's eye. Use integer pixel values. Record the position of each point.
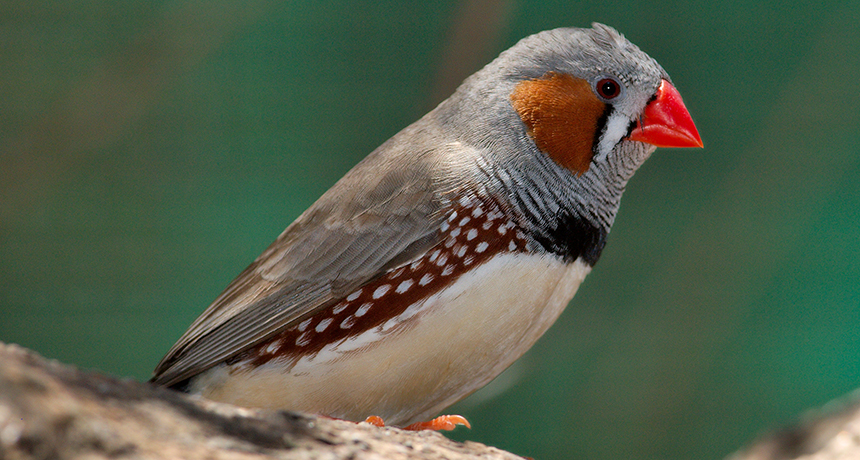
(608, 88)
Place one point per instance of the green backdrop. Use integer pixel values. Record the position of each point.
(150, 150)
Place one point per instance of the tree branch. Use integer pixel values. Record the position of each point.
(50, 410)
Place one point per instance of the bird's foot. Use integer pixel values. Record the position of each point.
(443, 422)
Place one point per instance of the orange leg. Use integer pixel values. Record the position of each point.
(443, 422)
(375, 421)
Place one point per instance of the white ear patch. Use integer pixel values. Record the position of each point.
(616, 128)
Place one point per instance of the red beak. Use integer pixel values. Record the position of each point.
(666, 122)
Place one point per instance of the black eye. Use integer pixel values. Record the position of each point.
(608, 88)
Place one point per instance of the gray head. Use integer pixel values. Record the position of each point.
(591, 55)
(551, 121)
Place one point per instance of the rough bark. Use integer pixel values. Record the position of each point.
(830, 433)
(53, 411)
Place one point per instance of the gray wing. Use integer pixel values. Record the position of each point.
(369, 221)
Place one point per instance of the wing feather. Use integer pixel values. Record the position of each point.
(351, 235)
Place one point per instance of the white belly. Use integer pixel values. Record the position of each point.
(433, 355)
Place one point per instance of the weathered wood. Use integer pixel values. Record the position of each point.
(53, 411)
(50, 410)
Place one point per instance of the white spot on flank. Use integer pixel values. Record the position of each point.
(512, 246)
(452, 217)
(381, 291)
(353, 296)
(503, 229)
(468, 260)
(521, 235)
(449, 242)
(323, 324)
(348, 322)
(303, 339)
(416, 265)
(304, 324)
(396, 273)
(363, 309)
(471, 234)
(339, 308)
(487, 225)
(464, 221)
(445, 226)
(404, 286)
(425, 280)
(442, 260)
(448, 270)
(481, 247)
(465, 201)
(493, 215)
(462, 251)
(456, 232)
(477, 212)
(483, 285)
(272, 347)
(434, 255)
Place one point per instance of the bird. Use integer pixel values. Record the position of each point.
(442, 256)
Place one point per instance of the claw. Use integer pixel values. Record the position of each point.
(444, 422)
(375, 421)
(441, 423)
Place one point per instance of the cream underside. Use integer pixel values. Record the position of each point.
(439, 351)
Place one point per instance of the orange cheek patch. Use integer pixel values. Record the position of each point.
(561, 113)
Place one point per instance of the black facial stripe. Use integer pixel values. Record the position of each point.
(651, 99)
(630, 127)
(632, 124)
(601, 127)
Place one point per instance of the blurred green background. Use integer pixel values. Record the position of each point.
(150, 150)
